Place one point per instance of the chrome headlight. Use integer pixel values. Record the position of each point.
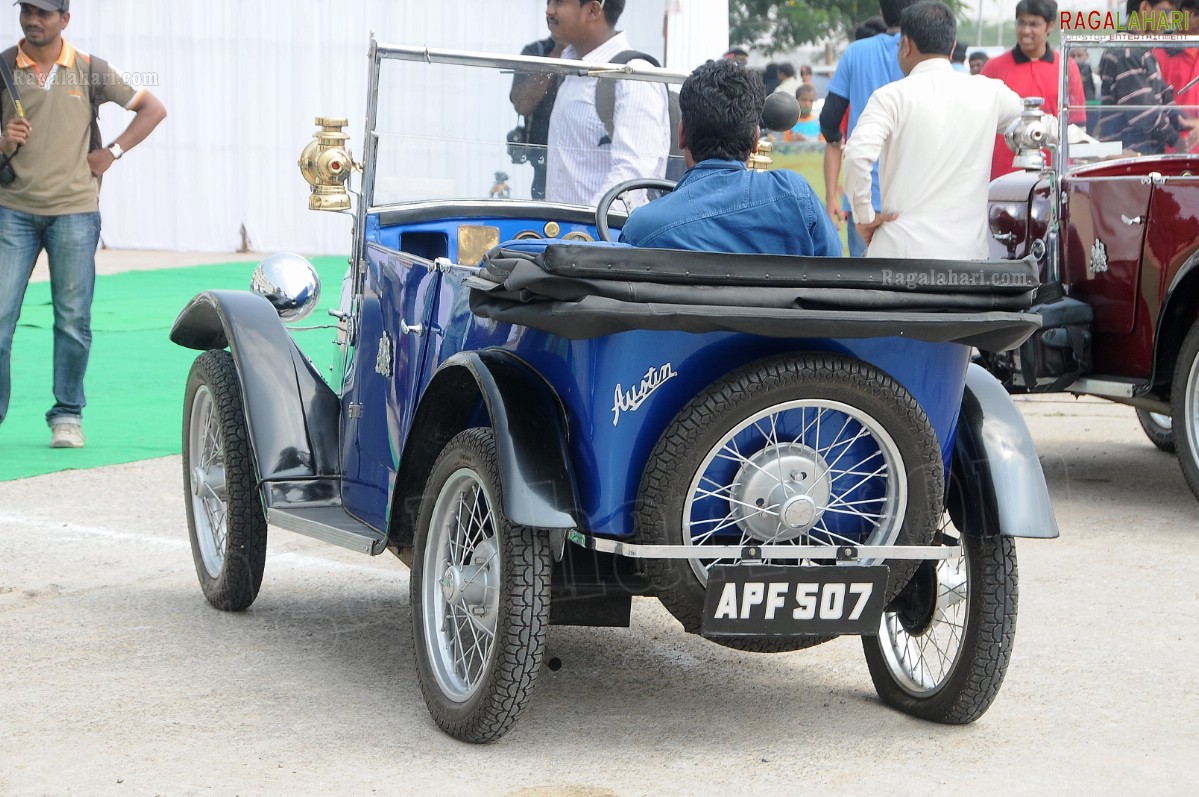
(290, 283)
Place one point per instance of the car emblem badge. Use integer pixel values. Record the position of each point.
(629, 400)
(383, 360)
(1098, 257)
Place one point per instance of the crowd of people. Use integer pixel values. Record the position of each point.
(928, 61)
(582, 136)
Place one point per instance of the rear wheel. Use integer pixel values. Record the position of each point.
(945, 641)
(225, 519)
(1158, 428)
(1185, 405)
(808, 449)
(480, 594)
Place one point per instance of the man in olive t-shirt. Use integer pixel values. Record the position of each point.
(53, 204)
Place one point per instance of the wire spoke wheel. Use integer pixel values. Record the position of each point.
(225, 518)
(814, 449)
(206, 468)
(945, 641)
(810, 471)
(480, 595)
(463, 601)
(1184, 398)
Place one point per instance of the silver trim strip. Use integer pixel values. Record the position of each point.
(516, 62)
(818, 552)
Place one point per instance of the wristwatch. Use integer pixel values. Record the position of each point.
(116, 151)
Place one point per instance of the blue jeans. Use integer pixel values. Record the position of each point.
(857, 247)
(70, 242)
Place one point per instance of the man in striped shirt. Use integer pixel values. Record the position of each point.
(1132, 76)
(585, 159)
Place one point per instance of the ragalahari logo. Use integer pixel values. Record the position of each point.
(1140, 22)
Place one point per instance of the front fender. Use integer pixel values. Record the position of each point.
(291, 413)
(530, 436)
(996, 482)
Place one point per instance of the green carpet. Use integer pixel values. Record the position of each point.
(136, 376)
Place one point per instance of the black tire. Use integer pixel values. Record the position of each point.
(1161, 435)
(480, 701)
(1184, 404)
(667, 507)
(225, 519)
(918, 637)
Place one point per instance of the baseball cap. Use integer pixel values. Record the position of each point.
(47, 5)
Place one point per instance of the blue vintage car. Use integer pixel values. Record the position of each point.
(544, 426)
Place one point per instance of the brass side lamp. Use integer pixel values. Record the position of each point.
(326, 164)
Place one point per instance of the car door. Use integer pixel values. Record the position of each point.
(399, 293)
(1106, 218)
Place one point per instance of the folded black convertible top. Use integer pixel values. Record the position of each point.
(580, 291)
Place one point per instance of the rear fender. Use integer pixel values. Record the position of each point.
(996, 485)
(530, 435)
(291, 413)
(1180, 309)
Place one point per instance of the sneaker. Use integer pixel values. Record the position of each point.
(66, 434)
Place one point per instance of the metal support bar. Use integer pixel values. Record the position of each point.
(837, 553)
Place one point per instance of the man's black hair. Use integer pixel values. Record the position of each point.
(872, 26)
(1134, 6)
(787, 69)
(892, 10)
(931, 26)
(612, 10)
(720, 104)
(1045, 9)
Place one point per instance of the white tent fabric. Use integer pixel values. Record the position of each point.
(243, 82)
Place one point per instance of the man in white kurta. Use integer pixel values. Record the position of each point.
(932, 133)
(583, 160)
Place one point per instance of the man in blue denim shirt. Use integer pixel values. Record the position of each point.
(719, 205)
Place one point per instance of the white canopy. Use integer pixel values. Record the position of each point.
(242, 83)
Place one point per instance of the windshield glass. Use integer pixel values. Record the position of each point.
(448, 131)
(1141, 97)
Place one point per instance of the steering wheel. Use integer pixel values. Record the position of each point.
(605, 203)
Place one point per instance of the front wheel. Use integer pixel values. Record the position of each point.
(945, 641)
(225, 519)
(480, 596)
(1158, 428)
(1184, 398)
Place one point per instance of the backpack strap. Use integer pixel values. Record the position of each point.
(9, 57)
(96, 71)
(605, 90)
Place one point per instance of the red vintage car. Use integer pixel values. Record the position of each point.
(1117, 234)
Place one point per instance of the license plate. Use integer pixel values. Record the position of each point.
(769, 600)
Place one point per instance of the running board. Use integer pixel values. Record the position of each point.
(329, 524)
(1113, 388)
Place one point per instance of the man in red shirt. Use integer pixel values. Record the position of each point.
(1031, 70)
(1180, 67)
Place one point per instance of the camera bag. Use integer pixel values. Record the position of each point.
(1060, 351)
